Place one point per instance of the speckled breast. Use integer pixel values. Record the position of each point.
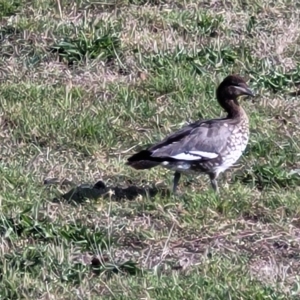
(236, 144)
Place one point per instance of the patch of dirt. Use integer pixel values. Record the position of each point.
(273, 254)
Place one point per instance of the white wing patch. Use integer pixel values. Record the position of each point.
(195, 155)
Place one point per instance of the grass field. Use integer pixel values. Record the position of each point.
(86, 84)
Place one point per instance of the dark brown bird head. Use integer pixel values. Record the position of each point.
(230, 89)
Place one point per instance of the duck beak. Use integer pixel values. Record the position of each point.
(245, 91)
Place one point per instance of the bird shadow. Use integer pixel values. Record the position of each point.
(84, 192)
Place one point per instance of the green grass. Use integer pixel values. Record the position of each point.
(83, 86)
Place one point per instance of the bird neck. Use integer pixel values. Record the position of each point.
(233, 109)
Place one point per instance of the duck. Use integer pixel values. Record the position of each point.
(205, 146)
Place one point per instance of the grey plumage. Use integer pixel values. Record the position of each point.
(209, 146)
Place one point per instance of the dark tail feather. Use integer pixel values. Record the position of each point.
(142, 160)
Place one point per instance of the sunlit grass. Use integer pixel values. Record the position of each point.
(84, 85)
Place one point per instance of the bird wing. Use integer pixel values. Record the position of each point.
(199, 141)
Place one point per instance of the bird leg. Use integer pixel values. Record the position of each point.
(213, 181)
(175, 181)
